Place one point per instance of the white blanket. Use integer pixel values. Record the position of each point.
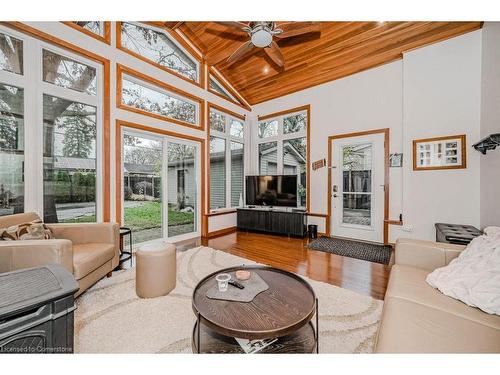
(473, 277)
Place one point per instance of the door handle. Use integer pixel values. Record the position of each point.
(335, 195)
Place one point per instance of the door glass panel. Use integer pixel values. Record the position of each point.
(11, 150)
(268, 158)
(182, 189)
(142, 185)
(357, 209)
(357, 183)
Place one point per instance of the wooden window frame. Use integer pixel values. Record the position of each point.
(463, 149)
(176, 39)
(106, 38)
(122, 69)
(119, 125)
(307, 109)
(240, 101)
(210, 106)
(106, 109)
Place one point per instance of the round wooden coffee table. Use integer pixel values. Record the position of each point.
(284, 311)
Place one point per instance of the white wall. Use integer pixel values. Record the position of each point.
(490, 123)
(432, 91)
(442, 94)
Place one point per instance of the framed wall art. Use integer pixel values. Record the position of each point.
(446, 152)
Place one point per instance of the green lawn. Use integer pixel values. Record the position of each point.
(146, 216)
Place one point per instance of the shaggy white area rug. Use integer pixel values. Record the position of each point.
(110, 318)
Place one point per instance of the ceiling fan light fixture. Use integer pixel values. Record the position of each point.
(262, 38)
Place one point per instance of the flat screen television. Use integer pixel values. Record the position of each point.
(271, 190)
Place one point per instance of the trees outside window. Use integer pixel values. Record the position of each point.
(157, 101)
(68, 89)
(158, 47)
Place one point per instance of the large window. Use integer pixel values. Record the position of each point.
(11, 150)
(158, 101)
(100, 30)
(50, 104)
(159, 48)
(282, 148)
(96, 27)
(226, 159)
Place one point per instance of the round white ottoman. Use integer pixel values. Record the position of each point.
(156, 269)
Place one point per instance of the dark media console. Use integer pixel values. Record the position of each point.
(292, 223)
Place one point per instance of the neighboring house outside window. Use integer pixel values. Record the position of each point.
(282, 148)
(226, 160)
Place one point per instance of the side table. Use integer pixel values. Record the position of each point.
(125, 255)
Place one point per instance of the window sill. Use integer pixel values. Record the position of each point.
(222, 212)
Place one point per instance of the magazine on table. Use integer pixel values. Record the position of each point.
(254, 346)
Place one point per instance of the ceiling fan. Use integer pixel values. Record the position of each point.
(262, 35)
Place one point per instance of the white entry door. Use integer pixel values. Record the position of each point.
(357, 187)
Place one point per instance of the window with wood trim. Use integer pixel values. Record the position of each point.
(282, 148)
(158, 47)
(226, 160)
(96, 27)
(61, 177)
(147, 97)
(216, 86)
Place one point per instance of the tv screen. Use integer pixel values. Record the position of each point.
(271, 191)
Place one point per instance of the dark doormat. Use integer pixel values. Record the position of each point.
(353, 249)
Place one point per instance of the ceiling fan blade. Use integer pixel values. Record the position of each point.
(273, 51)
(241, 52)
(172, 25)
(298, 28)
(237, 26)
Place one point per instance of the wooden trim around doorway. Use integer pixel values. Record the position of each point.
(331, 138)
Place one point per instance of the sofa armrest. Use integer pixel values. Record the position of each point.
(34, 253)
(87, 232)
(425, 254)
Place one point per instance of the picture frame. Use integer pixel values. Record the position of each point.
(396, 160)
(447, 152)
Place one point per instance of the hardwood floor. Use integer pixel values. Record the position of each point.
(292, 254)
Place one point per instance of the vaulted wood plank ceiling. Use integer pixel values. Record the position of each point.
(338, 50)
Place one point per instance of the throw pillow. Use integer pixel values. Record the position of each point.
(34, 230)
(474, 276)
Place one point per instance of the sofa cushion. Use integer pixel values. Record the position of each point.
(409, 283)
(88, 257)
(410, 327)
(32, 230)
